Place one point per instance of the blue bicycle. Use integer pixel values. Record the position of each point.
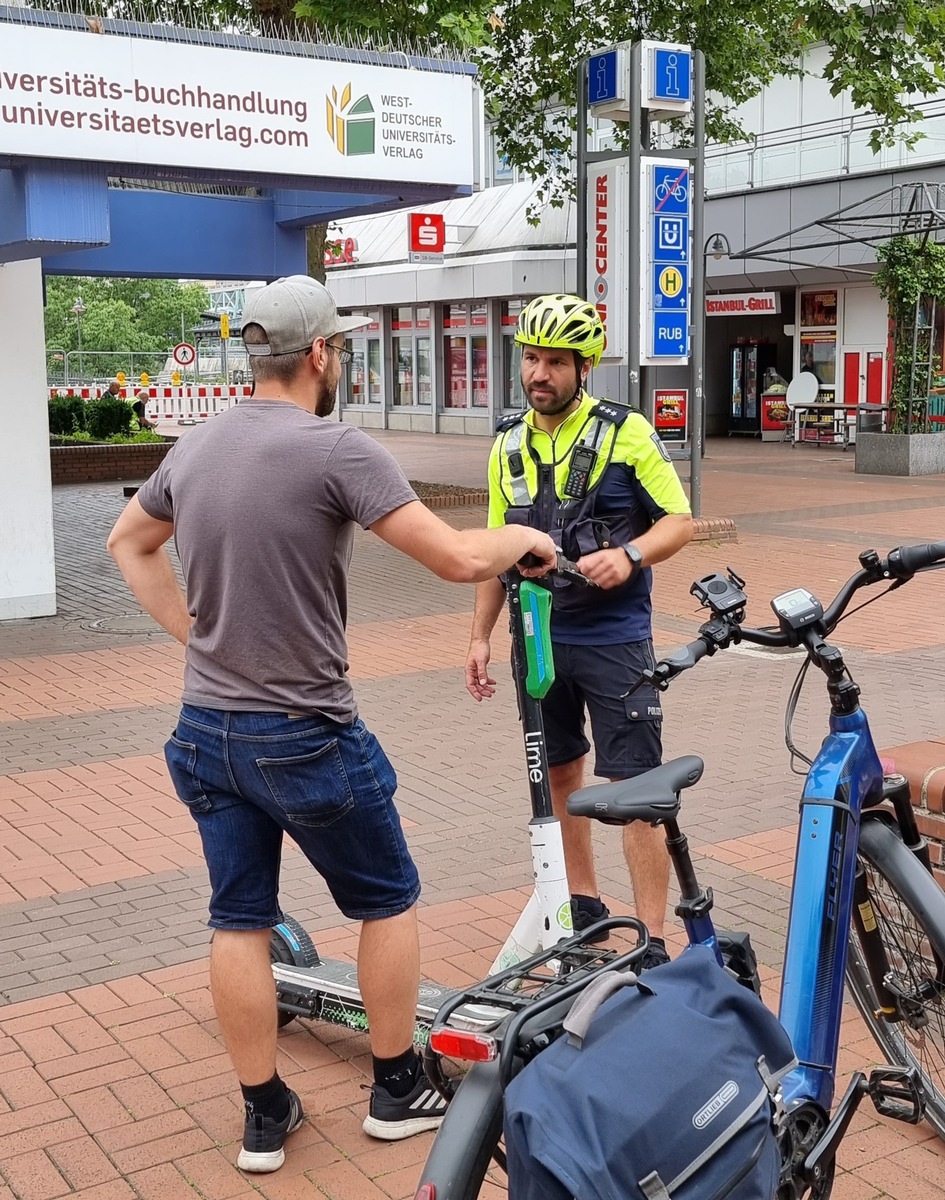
(864, 903)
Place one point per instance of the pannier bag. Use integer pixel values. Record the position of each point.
(662, 1090)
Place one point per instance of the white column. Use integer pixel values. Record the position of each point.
(27, 566)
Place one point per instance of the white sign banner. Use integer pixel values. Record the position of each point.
(736, 304)
(103, 98)
(608, 219)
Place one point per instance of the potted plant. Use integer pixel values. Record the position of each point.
(911, 278)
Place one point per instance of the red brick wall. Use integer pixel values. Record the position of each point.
(85, 464)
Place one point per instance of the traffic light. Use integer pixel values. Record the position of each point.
(175, 379)
(145, 379)
(121, 378)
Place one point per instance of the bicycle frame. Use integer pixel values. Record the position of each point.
(846, 776)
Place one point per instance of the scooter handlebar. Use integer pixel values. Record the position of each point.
(565, 569)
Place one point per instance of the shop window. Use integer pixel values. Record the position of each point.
(457, 374)
(363, 373)
(466, 355)
(819, 356)
(410, 352)
(480, 372)
(513, 396)
(818, 339)
(363, 382)
(404, 374)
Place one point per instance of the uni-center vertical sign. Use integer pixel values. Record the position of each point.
(666, 209)
(608, 218)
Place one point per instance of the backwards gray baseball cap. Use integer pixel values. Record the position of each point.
(293, 312)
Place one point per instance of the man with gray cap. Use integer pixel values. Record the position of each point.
(262, 502)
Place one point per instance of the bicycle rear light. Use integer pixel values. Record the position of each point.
(462, 1044)
(427, 1192)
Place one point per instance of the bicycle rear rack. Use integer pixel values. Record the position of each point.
(524, 992)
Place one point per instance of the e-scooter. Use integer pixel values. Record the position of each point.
(327, 989)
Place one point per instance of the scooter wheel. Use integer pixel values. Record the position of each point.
(289, 943)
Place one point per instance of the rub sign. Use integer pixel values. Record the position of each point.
(608, 217)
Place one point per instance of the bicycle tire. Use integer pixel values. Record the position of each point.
(462, 1149)
(909, 907)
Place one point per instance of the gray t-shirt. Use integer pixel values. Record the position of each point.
(263, 499)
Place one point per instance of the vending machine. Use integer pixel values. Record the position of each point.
(748, 364)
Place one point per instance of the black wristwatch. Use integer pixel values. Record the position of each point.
(636, 558)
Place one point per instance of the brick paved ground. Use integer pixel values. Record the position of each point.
(113, 1082)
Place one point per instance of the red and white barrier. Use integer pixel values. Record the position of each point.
(191, 402)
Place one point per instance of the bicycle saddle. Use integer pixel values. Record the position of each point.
(653, 796)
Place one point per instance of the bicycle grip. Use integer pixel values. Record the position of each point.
(906, 560)
(529, 560)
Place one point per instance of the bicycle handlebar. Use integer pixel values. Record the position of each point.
(725, 627)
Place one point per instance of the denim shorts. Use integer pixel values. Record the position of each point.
(627, 726)
(250, 778)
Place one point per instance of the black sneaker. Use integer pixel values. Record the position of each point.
(582, 918)
(391, 1118)
(263, 1138)
(655, 956)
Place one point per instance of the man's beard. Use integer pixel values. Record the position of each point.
(553, 408)
(325, 400)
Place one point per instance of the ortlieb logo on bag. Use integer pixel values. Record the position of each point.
(662, 1090)
(725, 1095)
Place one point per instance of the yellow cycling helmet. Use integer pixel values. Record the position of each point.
(562, 323)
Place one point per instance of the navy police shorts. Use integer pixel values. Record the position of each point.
(595, 681)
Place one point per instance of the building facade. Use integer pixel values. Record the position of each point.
(438, 355)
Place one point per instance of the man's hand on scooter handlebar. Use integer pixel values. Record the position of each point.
(528, 567)
(542, 558)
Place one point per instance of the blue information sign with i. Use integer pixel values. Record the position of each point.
(602, 77)
(672, 76)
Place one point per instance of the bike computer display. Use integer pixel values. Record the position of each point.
(797, 608)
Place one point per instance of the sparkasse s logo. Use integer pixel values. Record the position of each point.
(350, 126)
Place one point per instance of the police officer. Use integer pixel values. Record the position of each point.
(593, 474)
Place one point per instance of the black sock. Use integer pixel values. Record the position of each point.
(592, 905)
(658, 942)
(398, 1075)
(267, 1099)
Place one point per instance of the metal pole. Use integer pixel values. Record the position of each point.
(635, 249)
(697, 347)
(224, 342)
(580, 277)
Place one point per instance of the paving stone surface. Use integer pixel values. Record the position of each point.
(113, 1080)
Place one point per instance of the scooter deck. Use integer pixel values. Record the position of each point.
(331, 990)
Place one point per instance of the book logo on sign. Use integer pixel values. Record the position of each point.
(350, 124)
